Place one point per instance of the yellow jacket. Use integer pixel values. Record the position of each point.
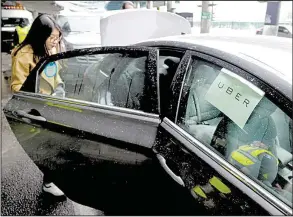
(22, 64)
(22, 33)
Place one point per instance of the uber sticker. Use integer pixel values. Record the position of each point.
(51, 69)
(234, 96)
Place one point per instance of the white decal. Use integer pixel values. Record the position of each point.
(234, 96)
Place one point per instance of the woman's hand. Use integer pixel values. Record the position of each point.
(59, 91)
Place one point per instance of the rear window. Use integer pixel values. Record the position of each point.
(11, 22)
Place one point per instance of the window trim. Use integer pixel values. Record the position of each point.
(176, 84)
(81, 103)
(274, 96)
(158, 83)
(30, 84)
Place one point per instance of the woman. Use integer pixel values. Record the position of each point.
(43, 39)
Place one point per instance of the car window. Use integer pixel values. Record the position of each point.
(113, 79)
(235, 119)
(283, 29)
(12, 22)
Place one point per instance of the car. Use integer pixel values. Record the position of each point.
(162, 124)
(12, 16)
(283, 31)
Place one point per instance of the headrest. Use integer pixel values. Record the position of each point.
(172, 61)
(205, 74)
(109, 62)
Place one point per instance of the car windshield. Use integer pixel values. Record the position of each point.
(79, 24)
(11, 22)
(289, 28)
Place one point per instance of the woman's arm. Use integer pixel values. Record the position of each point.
(58, 80)
(20, 71)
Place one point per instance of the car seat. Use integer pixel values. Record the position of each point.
(128, 91)
(202, 117)
(96, 77)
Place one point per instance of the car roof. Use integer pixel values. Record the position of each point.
(266, 57)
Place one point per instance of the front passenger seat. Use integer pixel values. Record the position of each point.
(202, 117)
(129, 89)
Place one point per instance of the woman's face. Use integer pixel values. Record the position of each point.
(53, 39)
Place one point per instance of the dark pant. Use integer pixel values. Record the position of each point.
(48, 177)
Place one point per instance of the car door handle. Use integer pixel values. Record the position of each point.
(24, 114)
(176, 178)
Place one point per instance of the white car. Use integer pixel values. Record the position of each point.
(12, 16)
(283, 31)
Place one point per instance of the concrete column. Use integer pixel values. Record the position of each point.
(169, 6)
(272, 18)
(205, 17)
(149, 4)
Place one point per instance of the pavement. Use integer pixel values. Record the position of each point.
(21, 180)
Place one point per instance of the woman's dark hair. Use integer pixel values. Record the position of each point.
(39, 32)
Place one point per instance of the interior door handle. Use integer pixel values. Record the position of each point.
(176, 178)
(24, 114)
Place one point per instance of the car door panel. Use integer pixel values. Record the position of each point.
(90, 170)
(101, 120)
(62, 116)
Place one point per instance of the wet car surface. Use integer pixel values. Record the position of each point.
(162, 127)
